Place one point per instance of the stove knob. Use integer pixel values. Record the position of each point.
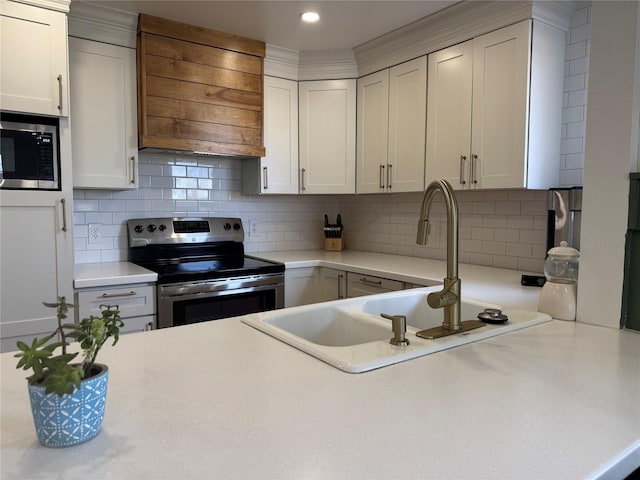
(227, 226)
(151, 228)
(162, 227)
(236, 226)
(139, 228)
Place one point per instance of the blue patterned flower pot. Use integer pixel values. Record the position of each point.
(73, 418)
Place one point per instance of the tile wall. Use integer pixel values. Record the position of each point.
(575, 96)
(497, 228)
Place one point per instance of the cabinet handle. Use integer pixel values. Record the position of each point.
(474, 168)
(265, 178)
(60, 93)
(148, 327)
(302, 179)
(389, 176)
(130, 293)
(340, 277)
(381, 182)
(463, 159)
(63, 204)
(133, 169)
(372, 282)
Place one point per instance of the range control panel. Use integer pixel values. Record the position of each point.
(172, 230)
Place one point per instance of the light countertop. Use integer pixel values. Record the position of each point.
(220, 400)
(106, 274)
(494, 285)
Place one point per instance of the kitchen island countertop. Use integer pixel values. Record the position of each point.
(221, 400)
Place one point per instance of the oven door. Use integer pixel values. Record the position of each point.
(186, 303)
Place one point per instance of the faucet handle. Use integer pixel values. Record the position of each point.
(399, 327)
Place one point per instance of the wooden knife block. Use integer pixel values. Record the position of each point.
(334, 244)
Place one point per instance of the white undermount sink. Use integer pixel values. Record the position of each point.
(352, 336)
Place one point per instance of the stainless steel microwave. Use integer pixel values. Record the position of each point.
(29, 152)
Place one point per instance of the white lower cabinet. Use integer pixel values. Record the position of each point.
(359, 285)
(308, 285)
(136, 302)
(301, 286)
(333, 284)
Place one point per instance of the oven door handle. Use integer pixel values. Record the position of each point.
(236, 285)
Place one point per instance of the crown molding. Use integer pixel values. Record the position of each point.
(56, 5)
(458, 23)
(327, 65)
(102, 24)
(281, 62)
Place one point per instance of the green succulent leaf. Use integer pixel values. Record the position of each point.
(55, 371)
(63, 378)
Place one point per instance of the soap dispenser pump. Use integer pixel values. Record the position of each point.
(558, 297)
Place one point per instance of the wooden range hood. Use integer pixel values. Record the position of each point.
(199, 91)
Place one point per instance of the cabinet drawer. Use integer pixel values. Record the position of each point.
(359, 285)
(138, 324)
(132, 300)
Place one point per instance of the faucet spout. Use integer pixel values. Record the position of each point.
(449, 297)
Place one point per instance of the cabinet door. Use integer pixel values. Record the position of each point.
(36, 255)
(327, 136)
(33, 60)
(279, 168)
(301, 286)
(449, 114)
(333, 284)
(501, 70)
(407, 116)
(103, 111)
(373, 129)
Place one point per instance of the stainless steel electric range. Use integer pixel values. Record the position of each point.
(203, 273)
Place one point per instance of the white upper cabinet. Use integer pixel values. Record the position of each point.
(33, 60)
(449, 114)
(327, 130)
(391, 129)
(407, 116)
(277, 172)
(103, 111)
(494, 109)
(373, 132)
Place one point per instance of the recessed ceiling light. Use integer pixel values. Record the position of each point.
(310, 17)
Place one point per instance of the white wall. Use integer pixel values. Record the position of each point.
(610, 154)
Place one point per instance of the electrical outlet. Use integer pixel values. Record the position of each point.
(95, 233)
(253, 228)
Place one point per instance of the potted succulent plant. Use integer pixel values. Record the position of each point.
(68, 397)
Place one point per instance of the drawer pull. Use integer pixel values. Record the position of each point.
(373, 282)
(130, 293)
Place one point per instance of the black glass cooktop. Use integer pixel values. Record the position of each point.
(174, 271)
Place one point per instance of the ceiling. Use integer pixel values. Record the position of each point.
(343, 24)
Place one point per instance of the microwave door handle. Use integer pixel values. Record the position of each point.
(1, 171)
